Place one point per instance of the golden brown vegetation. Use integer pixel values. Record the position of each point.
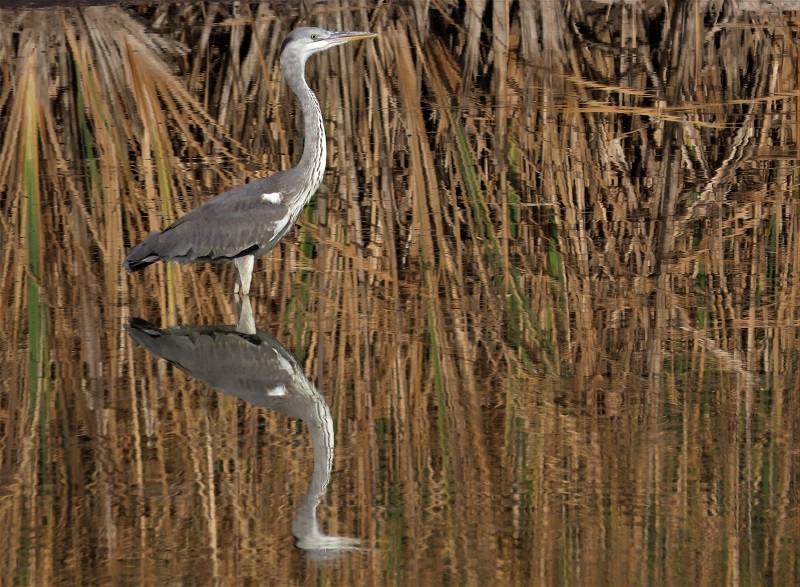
(548, 289)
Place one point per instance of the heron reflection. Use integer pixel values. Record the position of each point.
(258, 369)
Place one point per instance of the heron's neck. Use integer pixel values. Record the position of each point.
(312, 163)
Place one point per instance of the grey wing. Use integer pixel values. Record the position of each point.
(255, 368)
(248, 219)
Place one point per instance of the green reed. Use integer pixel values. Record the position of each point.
(38, 347)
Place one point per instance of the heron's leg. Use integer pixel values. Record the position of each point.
(244, 272)
(246, 323)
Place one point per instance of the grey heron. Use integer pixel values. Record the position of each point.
(248, 221)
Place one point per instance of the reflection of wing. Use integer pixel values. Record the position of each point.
(254, 368)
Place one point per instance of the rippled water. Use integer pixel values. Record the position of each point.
(552, 363)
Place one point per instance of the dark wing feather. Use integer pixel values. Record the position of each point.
(236, 222)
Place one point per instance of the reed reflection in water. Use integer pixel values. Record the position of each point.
(549, 291)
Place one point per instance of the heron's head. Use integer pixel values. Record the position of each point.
(305, 41)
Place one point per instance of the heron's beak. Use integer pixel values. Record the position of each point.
(338, 38)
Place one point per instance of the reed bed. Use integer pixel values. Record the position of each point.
(548, 289)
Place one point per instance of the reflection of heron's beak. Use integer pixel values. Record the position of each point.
(338, 38)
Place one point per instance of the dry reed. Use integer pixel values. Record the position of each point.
(548, 289)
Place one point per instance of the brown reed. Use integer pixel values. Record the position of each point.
(548, 288)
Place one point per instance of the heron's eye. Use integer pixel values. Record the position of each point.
(314, 36)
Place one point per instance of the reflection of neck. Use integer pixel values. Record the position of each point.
(320, 426)
(317, 416)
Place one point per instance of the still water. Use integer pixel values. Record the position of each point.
(538, 327)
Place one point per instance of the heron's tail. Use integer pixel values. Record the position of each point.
(142, 254)
(140, 325)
